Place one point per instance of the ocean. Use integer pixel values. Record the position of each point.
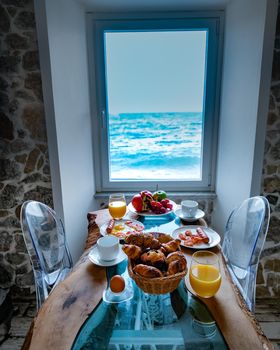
(150, 146)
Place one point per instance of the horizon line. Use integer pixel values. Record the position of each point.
(118, 113)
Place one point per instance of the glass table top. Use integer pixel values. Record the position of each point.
(176, 320)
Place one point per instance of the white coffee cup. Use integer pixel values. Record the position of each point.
(108, 247)
(189, 208)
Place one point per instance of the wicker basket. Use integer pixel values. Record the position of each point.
(159, 285)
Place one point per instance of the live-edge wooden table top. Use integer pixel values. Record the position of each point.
(74, 299)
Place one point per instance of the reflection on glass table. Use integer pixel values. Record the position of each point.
(166, 223)
(175, 320)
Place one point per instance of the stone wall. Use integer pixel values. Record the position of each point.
(269, 269)
(24, 164)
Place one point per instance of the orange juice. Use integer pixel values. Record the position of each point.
(205, 280)
(117, 209)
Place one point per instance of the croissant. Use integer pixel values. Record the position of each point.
(153, 257)
(172, 246)
(155, 244)
(135, 238)
(174, 256)
(177, 266)
(148, 241)
(132, 251)
(139, 239)
(147, 271)
(164, 238)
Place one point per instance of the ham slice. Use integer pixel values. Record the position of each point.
(190, 238)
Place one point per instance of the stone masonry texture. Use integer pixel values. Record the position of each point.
(268, 279)
(24, 163)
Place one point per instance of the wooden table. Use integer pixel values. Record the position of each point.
(73, 300)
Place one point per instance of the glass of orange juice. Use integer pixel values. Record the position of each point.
(117, 205)
(205, 276)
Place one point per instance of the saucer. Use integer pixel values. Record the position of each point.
(94, 258)
(199, 214)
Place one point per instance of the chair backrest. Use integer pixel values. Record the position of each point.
(246, 231)
(45, 240)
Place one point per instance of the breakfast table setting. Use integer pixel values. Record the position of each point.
(152, 276)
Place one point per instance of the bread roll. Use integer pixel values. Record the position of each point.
(147, 271)
(174, 256)
(153, 257)
(177, 266)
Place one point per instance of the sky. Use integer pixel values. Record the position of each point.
(155, 71)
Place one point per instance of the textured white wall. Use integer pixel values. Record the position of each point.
(71, 118)
(245, 24)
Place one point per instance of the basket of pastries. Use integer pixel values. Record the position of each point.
(155, 262)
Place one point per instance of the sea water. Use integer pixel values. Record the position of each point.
(164, 146)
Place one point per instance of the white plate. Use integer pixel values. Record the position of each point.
(199, 214)
(126, 228)
(94, 257)
(150, 213)
(214, 238)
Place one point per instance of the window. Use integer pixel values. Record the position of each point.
(156, 82)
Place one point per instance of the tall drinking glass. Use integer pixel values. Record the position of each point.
(117, 205)
(205, 276)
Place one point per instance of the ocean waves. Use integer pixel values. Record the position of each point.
(164, 146)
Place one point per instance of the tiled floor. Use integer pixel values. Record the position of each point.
(267, 313)
(23, 315)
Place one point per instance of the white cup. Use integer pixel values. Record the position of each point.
(108, 247)
(189, 208)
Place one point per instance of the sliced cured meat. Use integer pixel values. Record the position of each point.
(190, 238)
(182, 236)
(203, 235)
(188, 242)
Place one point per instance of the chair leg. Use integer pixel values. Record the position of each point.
(41, 292)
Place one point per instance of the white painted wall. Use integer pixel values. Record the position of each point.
(70, 118)
(244, 63)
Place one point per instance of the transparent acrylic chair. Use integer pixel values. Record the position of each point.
(246, 230)
(45, 241)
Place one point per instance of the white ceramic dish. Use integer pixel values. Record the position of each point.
(111, 298)
(94, 258)
(199, 215)
(150, 213)
(127, 228)
(214, 237)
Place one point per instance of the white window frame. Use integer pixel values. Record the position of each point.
(97, 23)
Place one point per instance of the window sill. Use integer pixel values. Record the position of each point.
(175, 196)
